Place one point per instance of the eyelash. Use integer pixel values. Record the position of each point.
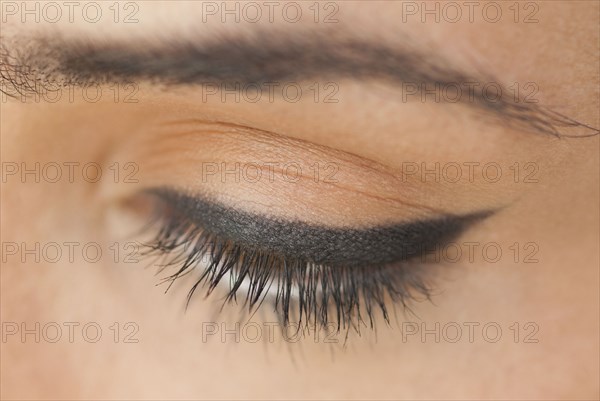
(304, 294)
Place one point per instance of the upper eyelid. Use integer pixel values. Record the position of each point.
(355, 173)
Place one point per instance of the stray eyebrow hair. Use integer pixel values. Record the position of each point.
(321, 245)
(267, 57)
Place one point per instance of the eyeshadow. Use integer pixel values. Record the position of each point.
(374, 245)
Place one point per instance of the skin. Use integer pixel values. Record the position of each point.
(367, 135)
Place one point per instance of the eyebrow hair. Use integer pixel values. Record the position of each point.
(263, 58)
(321, 245)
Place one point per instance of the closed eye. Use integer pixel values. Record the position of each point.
(310, 274)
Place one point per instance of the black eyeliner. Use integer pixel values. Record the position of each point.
(321, 245)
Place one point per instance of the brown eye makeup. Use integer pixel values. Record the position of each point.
(347, 251)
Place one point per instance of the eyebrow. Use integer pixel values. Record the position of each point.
(344, 247)
(263, 58)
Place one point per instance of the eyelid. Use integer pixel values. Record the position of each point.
(330, 288)
(206, 156)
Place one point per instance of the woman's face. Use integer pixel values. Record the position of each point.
(344, 200)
